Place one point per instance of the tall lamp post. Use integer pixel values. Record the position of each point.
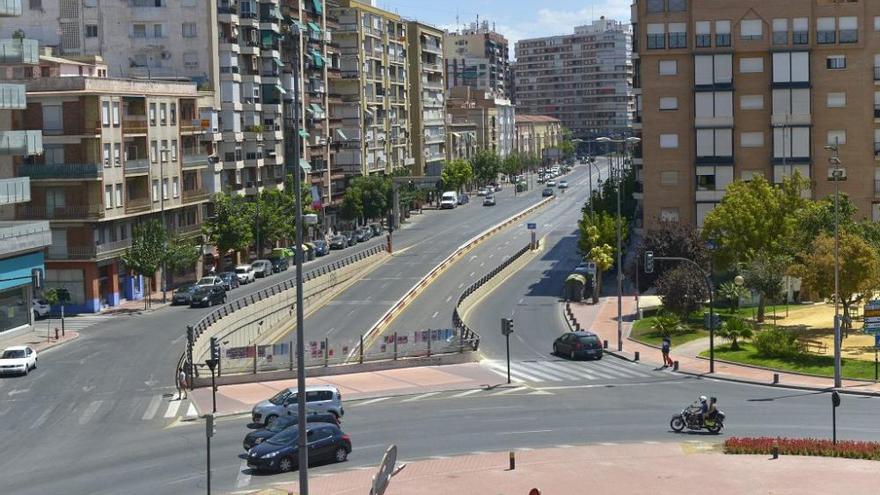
(836, 174)
(618, 176)
(590, 166)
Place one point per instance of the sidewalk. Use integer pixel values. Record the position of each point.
(658, 469)
(602, 320)
(239, 399)
(37, 339)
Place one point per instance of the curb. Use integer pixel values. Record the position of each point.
(71, 336)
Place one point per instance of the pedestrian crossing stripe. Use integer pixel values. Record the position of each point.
(557, 371)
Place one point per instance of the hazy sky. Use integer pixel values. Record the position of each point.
(515, 19)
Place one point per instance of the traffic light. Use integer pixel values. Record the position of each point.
(649, 261)
(835, 399)
(506, 326)
(215, 349)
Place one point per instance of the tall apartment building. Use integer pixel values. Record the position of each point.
(736, 89)
(493, 118)
(583, 79)
(116, 152)
(426, 90)
(21, 242)
(373, 89)
(478, 57)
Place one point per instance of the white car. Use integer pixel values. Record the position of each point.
(209, 281)
(563, 184)
(18, 360)
(551, 183)
(245, 274)
(482, 192)
(41, 308)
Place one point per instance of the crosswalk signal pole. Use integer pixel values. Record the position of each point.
(507, 329)
(209, 432)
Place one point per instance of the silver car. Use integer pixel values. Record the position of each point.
(319, 398)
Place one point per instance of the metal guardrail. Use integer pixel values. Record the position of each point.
(194, 332)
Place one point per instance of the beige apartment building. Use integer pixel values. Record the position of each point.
(461, 139)
(493, 117)
(536, 134)
(729, 90)
(426, 87)
(373, 89)
(478, 57)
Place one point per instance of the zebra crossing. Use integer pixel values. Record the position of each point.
(73, 323)
(541, 371)
(157, 408)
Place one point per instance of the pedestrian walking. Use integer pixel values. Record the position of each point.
(181, 385)
(667, 343)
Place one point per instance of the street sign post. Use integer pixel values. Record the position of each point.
(872, 317)
(531, 226)
(876, 348)
(386, 471)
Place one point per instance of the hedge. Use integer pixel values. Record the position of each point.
(850, 449)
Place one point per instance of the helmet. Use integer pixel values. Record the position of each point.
(703, 398)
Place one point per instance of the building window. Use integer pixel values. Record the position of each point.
(849, 29)
(836, 100)
(791, 142)
(714, 143)
(712, 70)
(191, 60)
(152, 114)
(669, 214)
(115, 114)
(139, 30)
(677, 5)
(175, 184)
(836, 137)
(108, 197)
(825, 33)
(668, 67)
(164, 153)
(751, 102)
(800, 34)
(656, 37)
(36, 4)
(703, 37)
(791, 67)
(751, 29)
(669, 178)
(154, 151)
(791, 101)
(106, 155)
(751, 65)
(174, 114)
(669, 103)
(105, 113)
(155, 190)
(669, 141)
(117, 152)
(835, 62)
(780, 31)
(158, 31)
(165, 188)
(654, 6)
(163, 114)
(677, 35)
(876, 23)
(752, 139)
(91, 30)
(188, 30)
(722, 33)
(174, 150)
(119, 196)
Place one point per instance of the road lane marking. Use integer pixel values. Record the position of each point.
(371, 401)
(565, 446)
(243, 480)
(511, 390)
(191, 411)
(90, 411)
(472, 274)
(483, 264)
(466, 393)
(607, 444)
(173, 406)
(461, 285)
(522, 432)
(448, 298)
(435, 314)
(152, 408)
(514, 373)
(42, 419)
(420, 397)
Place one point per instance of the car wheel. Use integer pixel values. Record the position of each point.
(572, 356)
(35, 364)
(340, 455)
(270, 419)
(285, 465)
(27, 370)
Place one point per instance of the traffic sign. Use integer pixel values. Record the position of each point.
(531, 226)
(877, 341)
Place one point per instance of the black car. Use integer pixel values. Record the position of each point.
(280, 453)
(230, 280)
(376, 228)
(279, 264)
(338, 242)
(575, 345)
(364, 234)
(547, 192)
(208, 296)
(351, 236)
(463, 199)
(321, 248)
(262, 434)
(183, 294)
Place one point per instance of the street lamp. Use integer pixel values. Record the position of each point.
(837, 173)
(618, 176)
(590, 166)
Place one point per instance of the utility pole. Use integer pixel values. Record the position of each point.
(837, 174)
(162, 193)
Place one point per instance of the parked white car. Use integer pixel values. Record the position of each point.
(449, 200)
(209, 281)
(41, 308)
(18, 360)
(245, 274)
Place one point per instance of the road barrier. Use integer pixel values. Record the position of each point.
(257, 317)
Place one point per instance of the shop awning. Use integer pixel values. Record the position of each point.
(304, 165)
(303, 134)
(319, 60)
(314, 27)
(316, 108)
(280, 89)
(319, 7)
(341, 135)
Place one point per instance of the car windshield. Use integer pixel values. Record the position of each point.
(206, 281)
(286, 437)
(13, 354)
(280, 397)
(241, 270)
(186, 288)
(281, 423)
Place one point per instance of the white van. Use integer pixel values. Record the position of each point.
(449, 200)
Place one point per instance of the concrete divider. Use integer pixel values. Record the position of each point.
(492, 282)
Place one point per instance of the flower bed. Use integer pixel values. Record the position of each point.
(803, 446)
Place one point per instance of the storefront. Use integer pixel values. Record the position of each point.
(16, 290)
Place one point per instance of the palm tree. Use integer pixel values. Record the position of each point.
(735, 328)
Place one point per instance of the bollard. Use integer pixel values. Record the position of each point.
(395, 346)
(512, 460)
(604, 344)
(636, 357)
(675, 366)
(775, 378)
(56, 333)
(361, 350)
(775, 449)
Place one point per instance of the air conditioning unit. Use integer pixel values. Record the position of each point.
(328, 37)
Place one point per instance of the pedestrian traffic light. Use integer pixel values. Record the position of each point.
(506, 326)
(835, 399)
(215, 349)
(649, 262)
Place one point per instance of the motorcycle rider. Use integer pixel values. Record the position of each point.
(712, 409)
(700, 408)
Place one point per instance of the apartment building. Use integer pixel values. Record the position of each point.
(493, 118)
(536, 135)
(373, 90)
(583, 79)
(461, 139)
(478, 57)
(21, 242)
(426, 89)
(731, 90)
(116, 152)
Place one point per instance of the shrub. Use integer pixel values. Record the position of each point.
(775, 343)
(668, 324)
(803, 446)
(733, 329)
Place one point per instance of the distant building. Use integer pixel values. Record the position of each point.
(492, 116)
(461, 139)
(426, 91)
(479, 58)
(536, 135)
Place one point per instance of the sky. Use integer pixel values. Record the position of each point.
(515, 19)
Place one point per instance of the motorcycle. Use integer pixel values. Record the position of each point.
(690, 419)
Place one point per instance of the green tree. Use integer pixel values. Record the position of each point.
(147, 251)
(674, 239)
(487, 166)
(667, 324)
(600, 229)
(603, 256)
(456, 174)
(859, 269)
(732, 293)
(764, 273)
(754, 217)
(566, 147)
(181, 254)
(512, 166)
(352, 207)
(733, 330)
(682, 290)
(231, 226)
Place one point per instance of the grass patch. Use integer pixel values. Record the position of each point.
(751, 312)
(642, 332)
(807, 363)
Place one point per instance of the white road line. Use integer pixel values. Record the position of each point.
(90, 411)
(472, 274)
(567, 368)
(651, 442)
(511, 390)
(42, 419)
(514, 374)
(152, 408)
(466, 393)
(435, 314)
(420, 397)
(191, 411)
(620, 371)
(461, 285)
(536, 369)
(243, 480)
(607, 444)
(371, 401)
(491, 255)
(565, 446)
(448, 298)
(483, 264)
(521, 300)
(173, 406)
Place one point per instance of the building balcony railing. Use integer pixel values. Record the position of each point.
(191, 195)
(134, 125)
(137, 166)
(21, 143)
(17, 52)
(83, 212)
(112, 246)
(137, 205)
(15, 190)
(10, 8)
(12, 96)
(71, 253)
(195, 160)
(61, 171)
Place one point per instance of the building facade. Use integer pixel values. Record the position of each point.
(493, 118)
(729, 91)
(479, 58)
(583, 79)
(537, 134)
(461, 139)
(373, 88)
(21, 242)
(427, 101)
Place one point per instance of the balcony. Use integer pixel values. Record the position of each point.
(18, 52)
(21, 143)
(134, 124)
(24, 236)
(10, 8)
(12, 96)
(877, 151)
(431, 47)
(16, 190)
(137, 166)
(86, 212)
(64, 171)
(193, 195)
(877, 72)
(195, 159)
(137, 205)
